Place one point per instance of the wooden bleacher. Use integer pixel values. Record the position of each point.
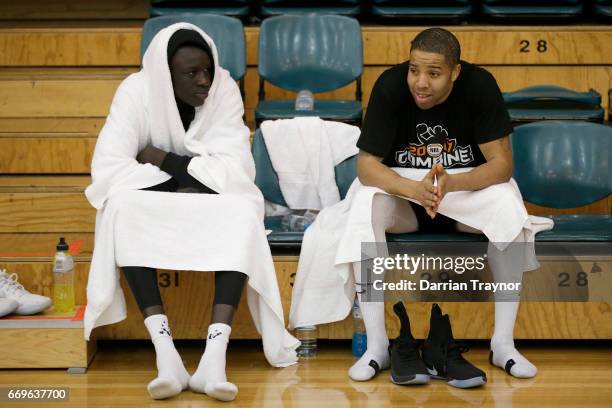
(57, 79)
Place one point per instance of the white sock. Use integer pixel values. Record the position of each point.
(502, 342)
(377, 342)
(210, 378)
(172, 378)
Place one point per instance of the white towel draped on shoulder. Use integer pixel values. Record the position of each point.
(175, 230)
(303, 152)
(324, 277)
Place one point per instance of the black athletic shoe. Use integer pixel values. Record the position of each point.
(406, 364)
(442, 354)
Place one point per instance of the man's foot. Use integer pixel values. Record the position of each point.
(369, 365)
(210, 377)
(442, 355)
(505, 356)
(162, 388)
(376, 357)
(172, 377)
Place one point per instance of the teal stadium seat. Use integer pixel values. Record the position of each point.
(316, 52)
(282, 7)
(422, 9)
(566, 164)
(553, 103)
(542, 10)
(602, 8)
(232, 8)
(267, 181)
(226, 32)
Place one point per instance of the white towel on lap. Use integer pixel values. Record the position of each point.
(334, 240)
(303, 152)
(174, 230)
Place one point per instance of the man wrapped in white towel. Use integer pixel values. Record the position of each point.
(173, 184)
(435, 127)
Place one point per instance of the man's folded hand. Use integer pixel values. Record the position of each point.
(152, 155)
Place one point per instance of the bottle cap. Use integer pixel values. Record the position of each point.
(62, 245)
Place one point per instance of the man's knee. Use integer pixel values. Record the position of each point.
(382, 211)
(394, 214)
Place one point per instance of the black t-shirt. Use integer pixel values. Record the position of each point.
(404, 135)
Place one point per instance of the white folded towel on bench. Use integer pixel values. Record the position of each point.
(303, 152)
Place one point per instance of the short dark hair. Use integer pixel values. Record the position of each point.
(440, 41)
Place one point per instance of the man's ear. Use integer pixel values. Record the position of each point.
(455, 72)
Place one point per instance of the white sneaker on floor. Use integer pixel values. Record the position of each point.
(7, 306)
(28, 303)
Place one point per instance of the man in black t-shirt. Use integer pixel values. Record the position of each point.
(435, 109)
(433, 112)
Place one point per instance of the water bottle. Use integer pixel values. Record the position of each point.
(308, 336)
(294, 223)
(63, 279)
(310, 216)
(360, 340)
(304, 101)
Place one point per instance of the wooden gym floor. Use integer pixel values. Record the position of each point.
(571, 374)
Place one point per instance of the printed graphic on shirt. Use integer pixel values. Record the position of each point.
(434, 146)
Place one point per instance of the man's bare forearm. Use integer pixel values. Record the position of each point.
(496, 170)
(492, 172)
(372, 172)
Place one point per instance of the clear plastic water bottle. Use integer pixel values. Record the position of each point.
(294, 223)
(308, 336)
(304, 101)
(360, 340)
(310, 216)
(63, 279)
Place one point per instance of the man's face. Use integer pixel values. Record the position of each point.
(430, 78)
(190, 69)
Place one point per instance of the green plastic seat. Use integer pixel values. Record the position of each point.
(282, 7)
(329, 109)
(568, 228)
(532, 9)
(553, 103)
(562, 164)
(533, 115)
(313, 52)
(565, 164)
(230, 8)
(602, 8)
(436, 237)
(579, 227)
(422, 9)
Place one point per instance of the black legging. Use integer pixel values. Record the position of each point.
(143, 283)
